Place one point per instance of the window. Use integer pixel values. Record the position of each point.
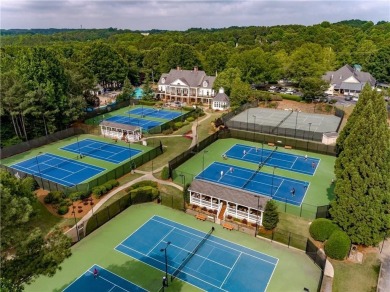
(205, 83)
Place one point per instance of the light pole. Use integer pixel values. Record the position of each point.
(296, 123)
(39, 170)
(78, 146)
(273, 174)
(254, 127)
(183, 180)
(166, 261)
(308, 136)
(75, 221)
(204, 152)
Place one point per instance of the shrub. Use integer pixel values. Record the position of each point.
(244, 221)
(321, 229)
(54, 197)
(165, 173)
(338, 245)
(62, 210)
(291, 97)
(167, 131)
(190, 119)
(143, 183)
(178, 125)
(98, 191)
(229, 217)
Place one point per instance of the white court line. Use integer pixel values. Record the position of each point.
(161, 240)
(232, 268)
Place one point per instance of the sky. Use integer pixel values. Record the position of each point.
(184, 14)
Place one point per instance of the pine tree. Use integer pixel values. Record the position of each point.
(271, 215)
(128, 89)
(364, 96)
(362, 193)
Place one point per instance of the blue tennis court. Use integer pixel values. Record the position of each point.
(143, 123)
(101, 150)
(154, 113)
(217, 264)
(277, 187)
(66, 172)
(278, 159)
(105, 281)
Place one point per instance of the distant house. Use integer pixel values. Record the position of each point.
(221, 101)
(348, 80)
(189, 86)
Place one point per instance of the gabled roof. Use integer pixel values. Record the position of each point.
(232, 195)
(221, 97)
(339, 76)
(194, 78)
(119, 126)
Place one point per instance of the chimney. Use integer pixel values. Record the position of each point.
(178, 68)
(221, 90)
(195, 69)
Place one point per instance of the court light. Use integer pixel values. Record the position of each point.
(166, 261)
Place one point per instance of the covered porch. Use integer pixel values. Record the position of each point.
(227, 201)
(119, 131)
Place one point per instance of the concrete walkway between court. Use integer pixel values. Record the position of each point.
(384, 275)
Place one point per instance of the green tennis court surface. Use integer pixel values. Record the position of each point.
(203, 260)
(103, 281)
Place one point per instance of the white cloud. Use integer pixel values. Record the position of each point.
(180, 15)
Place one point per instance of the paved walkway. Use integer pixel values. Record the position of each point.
(384, 276)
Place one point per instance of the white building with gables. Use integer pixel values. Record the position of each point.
(189, 86)
(348, 80)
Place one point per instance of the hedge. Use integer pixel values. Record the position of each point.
(338, 245)
(144, 194)
(291, 97)
(165, 173)
(321, 229)
(142, 184)
(104, 188)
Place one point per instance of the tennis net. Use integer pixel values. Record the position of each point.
(89, 152)
(266, 160)
(252, 176)
(50, 167)
(191, 254)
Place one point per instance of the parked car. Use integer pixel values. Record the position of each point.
(348, 98)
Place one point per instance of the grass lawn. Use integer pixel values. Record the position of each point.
(356, 277)
(44, 219)
(294, 269)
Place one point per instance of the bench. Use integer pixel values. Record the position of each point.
(271, 144)
(227, 226)
(201, 217)
(288, 147)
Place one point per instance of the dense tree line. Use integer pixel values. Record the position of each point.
(47, 79)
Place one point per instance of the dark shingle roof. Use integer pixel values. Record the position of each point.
(240, 197)
(339, 76)
(193, 78)
(221, 97)
(119, 126)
